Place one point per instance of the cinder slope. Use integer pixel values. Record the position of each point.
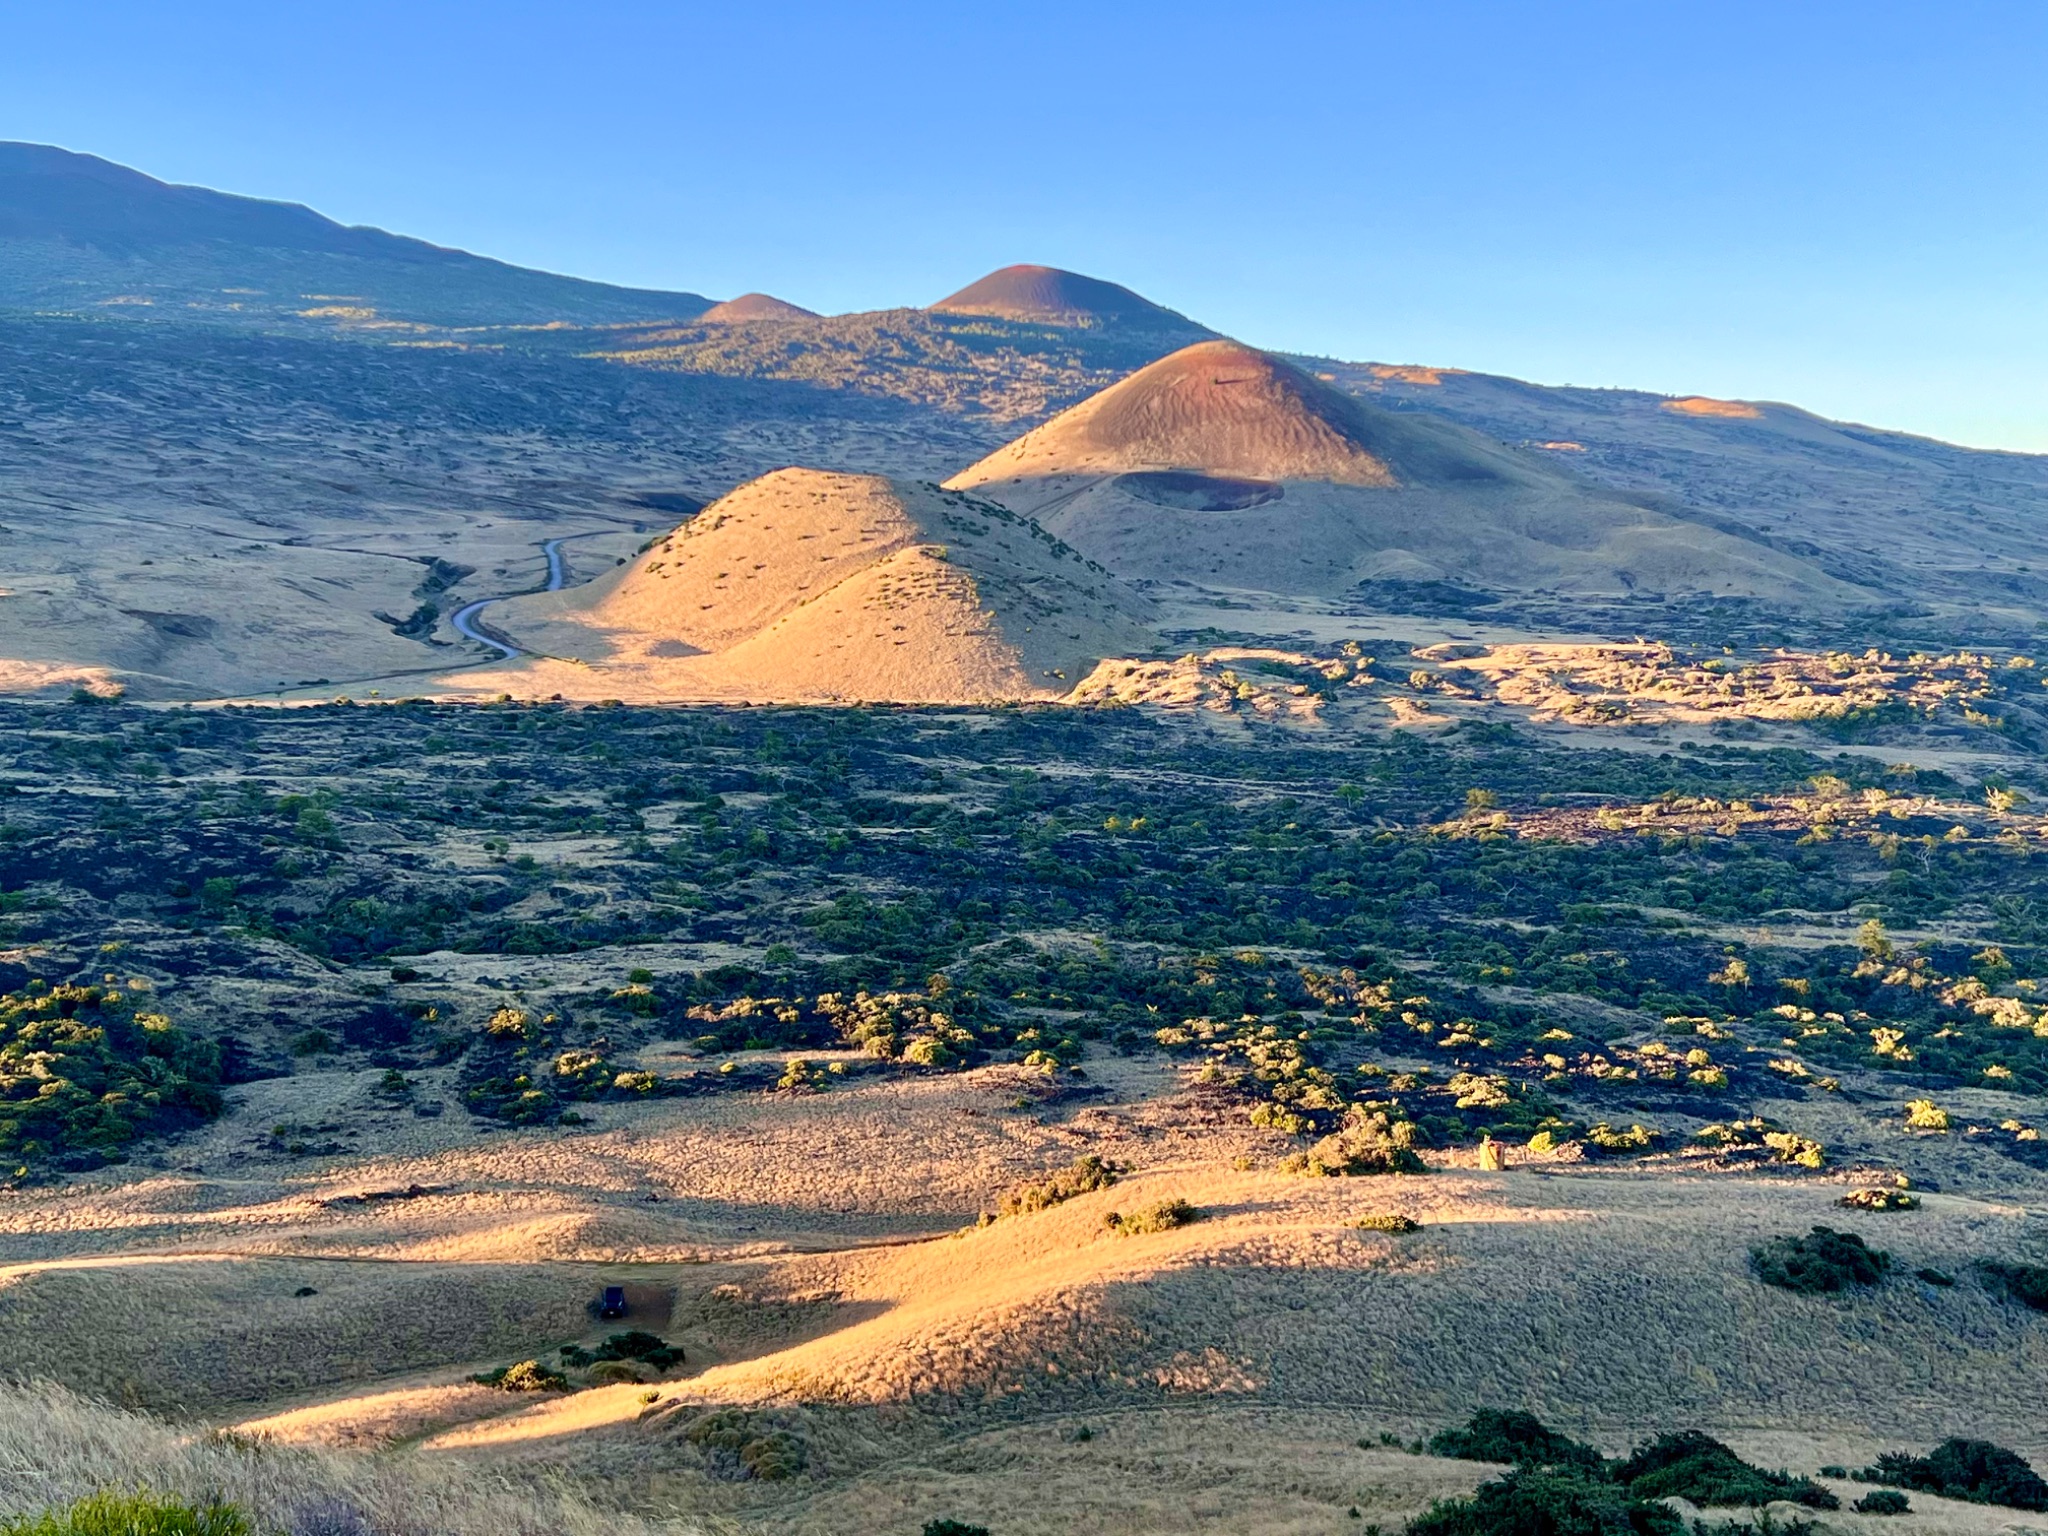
(1051, 296)
(755, 306)
(1222, 466)
(810, 585)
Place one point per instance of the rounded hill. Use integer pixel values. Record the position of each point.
(755, 306)
(809, 585)
(1223, 467)
(1052, 296)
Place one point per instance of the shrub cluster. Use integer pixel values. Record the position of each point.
(1388, 1221)
(744, 1444)
(1515, 1437)
(526, 1376)
(1823, 1260)
(1079, 1177)
(2026, 1283)
(1162, 1217)
(645, 1348)
(517, 1069)
(1973, 1470)
(1561, 1487)
(1370, 1143)
(1879, 1200)
(1696, 1466)
(84, 1072)
(1551, 1504)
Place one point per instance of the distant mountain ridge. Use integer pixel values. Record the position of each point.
(77, 230)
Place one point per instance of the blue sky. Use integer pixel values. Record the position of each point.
(1843, 206)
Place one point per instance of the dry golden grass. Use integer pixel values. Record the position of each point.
(56, 1447)
(1224, 1368)
(1702, 405)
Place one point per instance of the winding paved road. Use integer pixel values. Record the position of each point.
(465, 618)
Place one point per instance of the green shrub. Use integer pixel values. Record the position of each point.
(1975, 1470)
(526, 1376)
(1162, 1217)
(1882, 1501)
(1823, 1260)
(1637, 1138)
(1387, 1221)
(1696, 1466)
(2022, 1282)
(953, 1528)
(1538, 1503)
(1510, 1435)
(1370, 1144)
(130, 1514)
(1879, 1200)
(1079, 1177)
(634, 1345)
(84, 1072)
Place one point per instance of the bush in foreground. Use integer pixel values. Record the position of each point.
(1823, 1260)
(1882, 1501)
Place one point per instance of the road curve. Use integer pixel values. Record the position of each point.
(470, 627)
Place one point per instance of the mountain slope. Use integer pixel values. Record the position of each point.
(1220, 466)
(808, 585)
(79, 230)
(1927, 521)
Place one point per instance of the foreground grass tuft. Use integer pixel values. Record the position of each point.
(131, 1514)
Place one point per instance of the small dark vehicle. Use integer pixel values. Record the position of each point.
(613, 1302)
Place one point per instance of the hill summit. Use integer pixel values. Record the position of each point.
(755, 306)
(1050, 296)
(1217, 407)
(807, 585)
(1220, 466)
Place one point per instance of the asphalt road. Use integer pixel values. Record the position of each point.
(470, 627)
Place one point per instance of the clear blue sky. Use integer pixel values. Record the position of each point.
(1839, 205)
